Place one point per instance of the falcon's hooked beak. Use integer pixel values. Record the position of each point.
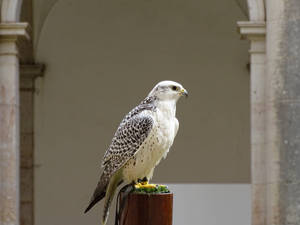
(184, 92)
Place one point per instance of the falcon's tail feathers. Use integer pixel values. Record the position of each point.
(99, 192)
(113, 184)
(94, 201)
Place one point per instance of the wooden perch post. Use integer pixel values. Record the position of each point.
(150, 209)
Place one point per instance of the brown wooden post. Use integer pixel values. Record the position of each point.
(147, 209)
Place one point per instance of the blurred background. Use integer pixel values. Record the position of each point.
(98, 59)
(71, 69)
(102, 58)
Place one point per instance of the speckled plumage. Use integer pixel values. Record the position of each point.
(131, 133)
(143, 137)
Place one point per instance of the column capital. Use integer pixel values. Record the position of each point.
(252, 30)
(11, 31)
(31, 71)
(255, 31)
(10, 34)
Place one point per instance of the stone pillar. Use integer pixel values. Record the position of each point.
(28, 74)
(283, 112)
(9, 122)
(255, 32)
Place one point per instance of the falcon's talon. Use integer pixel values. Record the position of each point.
(144, 182)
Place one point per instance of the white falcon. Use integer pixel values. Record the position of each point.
(143, 138)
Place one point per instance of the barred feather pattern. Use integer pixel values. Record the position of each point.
(132, 131)
(130, 135)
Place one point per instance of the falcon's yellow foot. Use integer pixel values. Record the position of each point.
(144, 185)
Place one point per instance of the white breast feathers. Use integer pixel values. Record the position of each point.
(155, 146)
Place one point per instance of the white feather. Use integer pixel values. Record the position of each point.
(157, 144)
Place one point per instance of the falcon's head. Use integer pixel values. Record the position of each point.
(168, 90)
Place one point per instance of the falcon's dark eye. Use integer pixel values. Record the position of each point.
(174, 88)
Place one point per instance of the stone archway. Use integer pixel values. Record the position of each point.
(10, 30)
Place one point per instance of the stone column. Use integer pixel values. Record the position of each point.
(28, 74)
(255, 32)
(283, 112)
(9, 122)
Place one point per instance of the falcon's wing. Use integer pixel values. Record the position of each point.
(127, 140)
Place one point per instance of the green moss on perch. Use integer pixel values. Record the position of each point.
(158, 189)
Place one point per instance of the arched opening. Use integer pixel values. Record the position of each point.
(102, 59)
(140, 41)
